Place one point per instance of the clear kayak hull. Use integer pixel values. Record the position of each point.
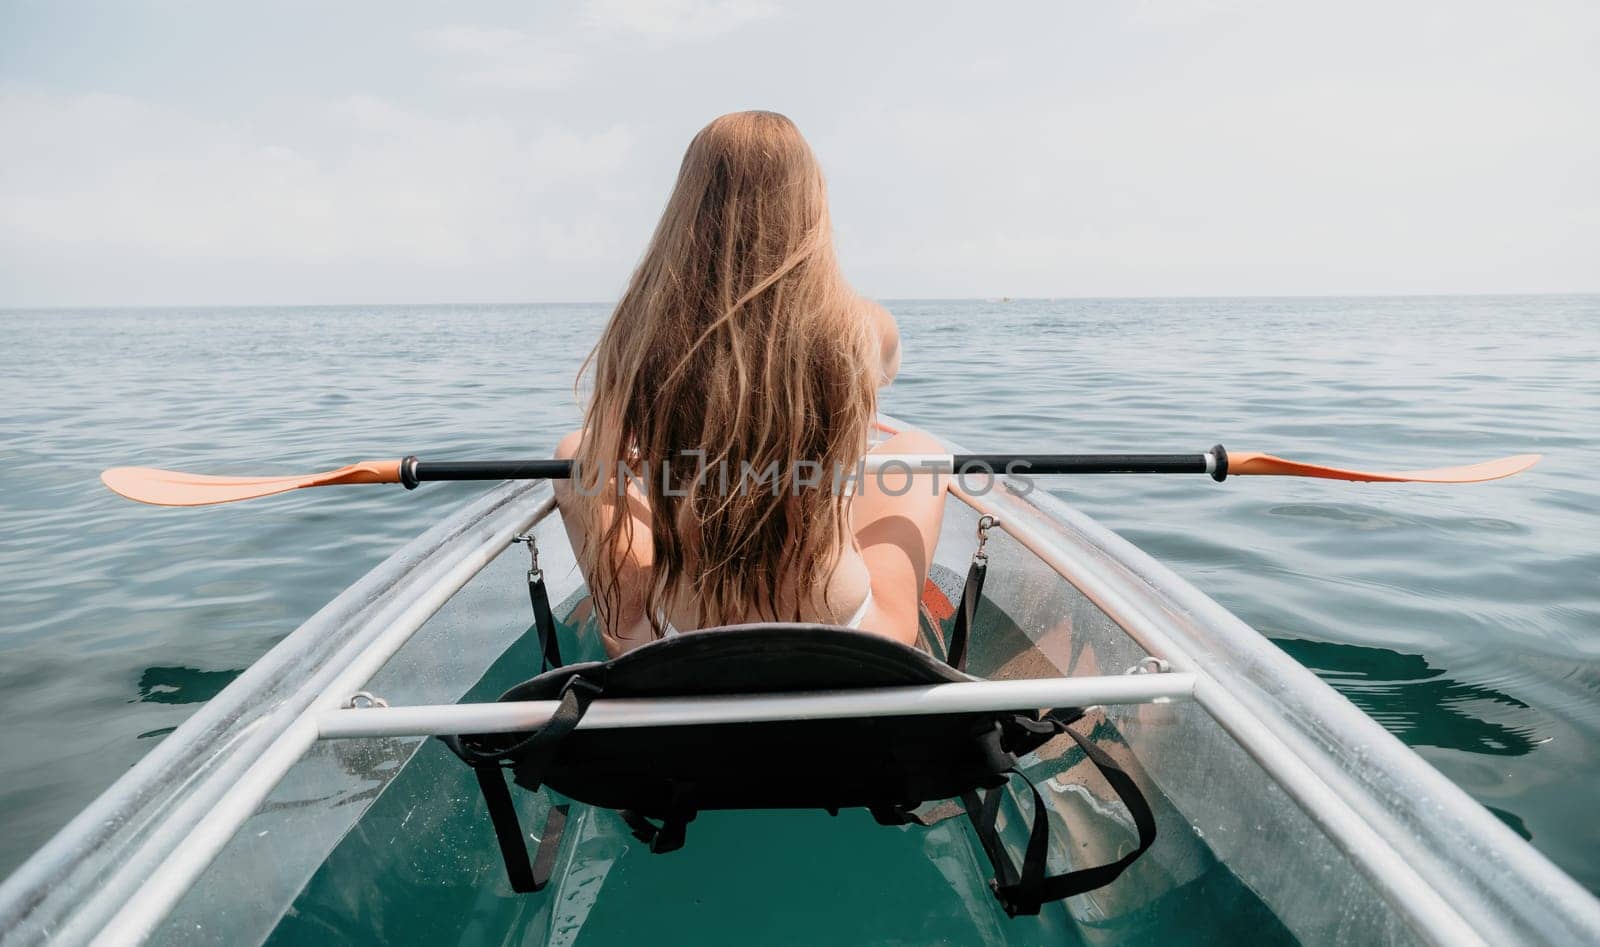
(1285, 814)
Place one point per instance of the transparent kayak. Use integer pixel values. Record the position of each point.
(1285, 814)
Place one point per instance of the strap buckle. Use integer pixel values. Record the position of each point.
(578, 682)
(986, 522)
(534, 572)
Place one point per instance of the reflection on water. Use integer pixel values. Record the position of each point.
(182, 685)
(1415, 701)
(1514, 822)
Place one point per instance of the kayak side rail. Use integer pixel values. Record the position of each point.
(1424, 909)
(965, 697)
(256, 729)
(1329, 757)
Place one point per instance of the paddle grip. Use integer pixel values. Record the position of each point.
(1219, 473)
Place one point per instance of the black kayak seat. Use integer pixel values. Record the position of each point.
(658, 778)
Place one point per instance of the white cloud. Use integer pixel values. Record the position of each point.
(475, 40)
(677, 19)
(493, 57)
(108, 174)
(1175, 13)
(1235, 146)
(506, 59)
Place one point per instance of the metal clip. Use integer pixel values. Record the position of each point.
(1150, 664)
(363, 700)
(534, 572)
(986, 522)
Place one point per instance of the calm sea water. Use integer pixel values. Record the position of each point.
(1465, 619)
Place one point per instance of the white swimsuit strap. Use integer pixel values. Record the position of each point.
(669, 630)
(861, 612)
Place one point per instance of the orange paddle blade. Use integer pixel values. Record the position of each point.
(1247, 463)
(176, 488)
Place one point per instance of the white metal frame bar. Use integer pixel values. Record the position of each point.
(966, 697)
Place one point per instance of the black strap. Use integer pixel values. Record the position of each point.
(525, 877)
(544, 622)
(666, 837)
(1021, 735)
(982, 808)
(643, 829)
(544, 860)
(956, 653)
(669, 835)
(1025, 892)
(534, 754)
(507, 829)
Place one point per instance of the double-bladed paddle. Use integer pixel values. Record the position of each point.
(175, 488)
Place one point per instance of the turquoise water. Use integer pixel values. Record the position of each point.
(1465, 619)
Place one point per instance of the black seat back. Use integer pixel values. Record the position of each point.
(828, 763)
(887, 764)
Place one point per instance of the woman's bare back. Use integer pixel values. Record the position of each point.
(884, 565)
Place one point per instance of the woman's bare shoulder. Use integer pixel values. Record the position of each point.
(591, 520)
(588, 523)
(888, 333)
(566, 449)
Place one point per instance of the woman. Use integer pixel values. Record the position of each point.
(737, 382)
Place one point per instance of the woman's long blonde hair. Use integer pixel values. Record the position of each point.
(738, 345)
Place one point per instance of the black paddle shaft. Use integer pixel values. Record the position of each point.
(484, 470)
(1214, 462)
(1085, 463)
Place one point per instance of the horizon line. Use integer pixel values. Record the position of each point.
(54, 307)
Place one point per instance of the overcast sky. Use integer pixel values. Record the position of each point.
(158, 153)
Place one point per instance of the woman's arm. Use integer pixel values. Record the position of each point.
(581, 530)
